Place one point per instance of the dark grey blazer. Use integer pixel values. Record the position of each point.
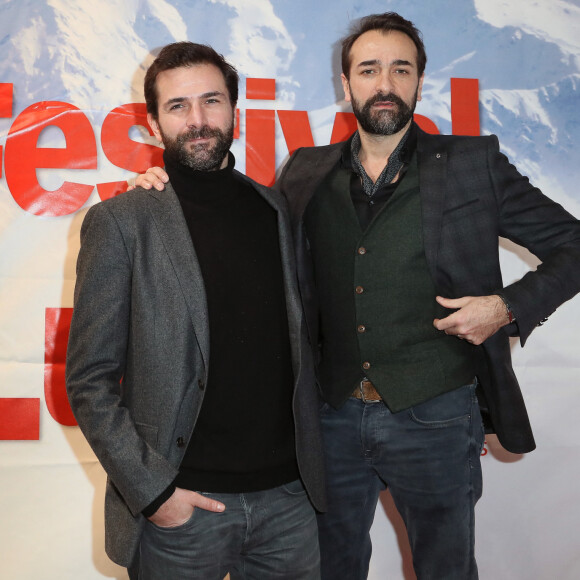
(470, 195)
(138, 353)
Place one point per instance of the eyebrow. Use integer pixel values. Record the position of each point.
(212, 94)
(375, 61)
(207, 95)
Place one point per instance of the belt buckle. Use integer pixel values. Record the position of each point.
(362, 393)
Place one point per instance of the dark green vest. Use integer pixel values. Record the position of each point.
(377, 299)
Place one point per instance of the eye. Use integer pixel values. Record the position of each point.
(368, 71)
(402, 71)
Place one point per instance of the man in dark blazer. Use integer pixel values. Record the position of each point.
(188, 368)
(397, 247)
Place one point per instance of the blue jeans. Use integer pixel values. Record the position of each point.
(429, 458)
(264, 534)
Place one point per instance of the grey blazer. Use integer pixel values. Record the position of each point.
(138, 353)
(470, 195)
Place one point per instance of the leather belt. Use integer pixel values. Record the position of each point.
(366, 392)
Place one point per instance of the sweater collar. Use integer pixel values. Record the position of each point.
(187, 181)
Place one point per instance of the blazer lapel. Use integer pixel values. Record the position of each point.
(432, 160)
(168, 217)
(293, 302)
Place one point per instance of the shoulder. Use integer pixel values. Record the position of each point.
(315, 154)
(130, 211)
(121, 203)
(134, 202)
(427, 143)
(308, 163)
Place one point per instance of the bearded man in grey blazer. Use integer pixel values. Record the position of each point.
(188, 368)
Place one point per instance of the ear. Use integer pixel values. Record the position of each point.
(345, 87)
(154, 127)
(420, 87)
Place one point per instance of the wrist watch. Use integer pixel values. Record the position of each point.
(510, 313)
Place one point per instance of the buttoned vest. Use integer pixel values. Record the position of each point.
(377, 299)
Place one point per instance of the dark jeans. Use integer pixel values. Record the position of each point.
(429, 458)
(261, 535)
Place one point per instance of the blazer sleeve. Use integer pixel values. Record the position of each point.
(545, 228)
(96, 359)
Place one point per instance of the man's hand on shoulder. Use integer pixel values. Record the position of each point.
(475, 319)
(179, 507)
(154, 177)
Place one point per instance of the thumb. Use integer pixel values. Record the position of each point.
(452, 302)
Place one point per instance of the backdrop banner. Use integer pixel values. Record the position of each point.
(73, 132)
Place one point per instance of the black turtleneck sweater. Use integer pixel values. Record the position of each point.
(244, 435)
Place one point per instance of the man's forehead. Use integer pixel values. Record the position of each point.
(378, 46)
(194, 80)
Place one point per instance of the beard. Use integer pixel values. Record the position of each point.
(384, 122)
(202, 156)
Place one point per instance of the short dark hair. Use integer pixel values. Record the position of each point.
(186, 54)
(384, 23)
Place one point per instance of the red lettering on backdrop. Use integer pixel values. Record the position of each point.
(296, 128)
(6, 91)
(261, 133)
(23, 158)
(426, 124)
(121, 150)
(261, 89)
(344, 126)
(57, 327)
(19, 419)
(465, 107)
(260, 145)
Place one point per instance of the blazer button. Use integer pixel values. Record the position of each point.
(359, 289)
(366, 365)
(180, 442)
(362, 251)
(201, 384)
(361, 328)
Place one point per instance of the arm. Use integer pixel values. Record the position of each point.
(532, 220)
(545, 228)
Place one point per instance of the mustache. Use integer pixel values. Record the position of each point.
(392, 97)
(203, 132)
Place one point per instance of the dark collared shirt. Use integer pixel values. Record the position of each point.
(368, 207)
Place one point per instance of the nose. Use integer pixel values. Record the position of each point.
(196, 116)
(384, 82)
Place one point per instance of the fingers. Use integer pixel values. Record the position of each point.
(147, 182)
(451, 324)
(179, 507)
(206, 503)
(453, 302)
(158, 177)
(159, 173)
(155, 177)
